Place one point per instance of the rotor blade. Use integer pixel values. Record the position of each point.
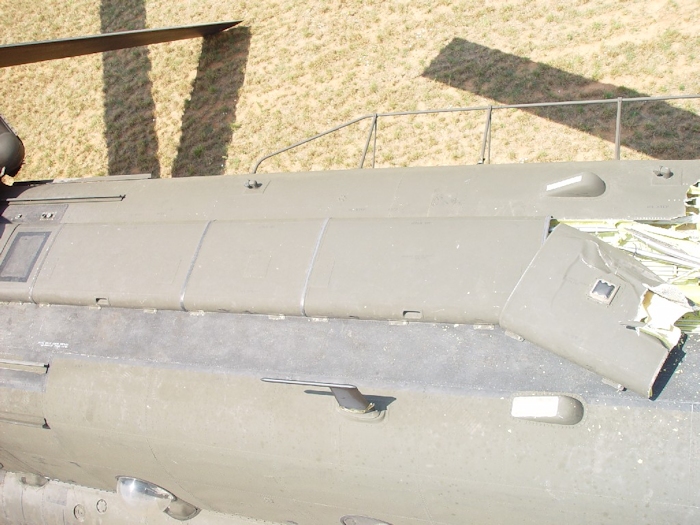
(27, 53)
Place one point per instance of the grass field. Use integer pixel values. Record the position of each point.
(294, 69)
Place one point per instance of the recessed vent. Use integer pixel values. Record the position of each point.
(412, 315)
(560, 410)
(22, 255)
(585, 184)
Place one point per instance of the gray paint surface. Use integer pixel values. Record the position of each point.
(177, 398)
(142, 388)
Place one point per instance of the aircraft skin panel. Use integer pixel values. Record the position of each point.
(448, 270)
(137, 266)
(445, 269)
(253, 266)
(633, 191)
(104, 420)
(26, 248)
(364, 268)
(21, 398)
(446, 450)
(140, 260)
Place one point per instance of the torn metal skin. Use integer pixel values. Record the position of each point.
(598, 307)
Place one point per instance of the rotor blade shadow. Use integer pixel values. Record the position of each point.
(654, 128)
(129, 112)
(209, 118)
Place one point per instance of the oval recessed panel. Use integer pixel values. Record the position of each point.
(556, 409)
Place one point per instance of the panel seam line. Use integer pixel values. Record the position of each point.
(304, 292)
(191, 268)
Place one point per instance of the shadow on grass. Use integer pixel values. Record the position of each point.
(209, 117)
(129, 112)
(210, 114)
(656, 128)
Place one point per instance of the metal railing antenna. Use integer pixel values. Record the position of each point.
(485, 154)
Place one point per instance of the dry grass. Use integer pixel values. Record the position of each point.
(304, 67)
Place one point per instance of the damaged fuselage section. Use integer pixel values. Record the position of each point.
(140, 316)
(598, 307)
(477, 245)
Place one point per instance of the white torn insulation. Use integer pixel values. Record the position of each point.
(659, 310)
(670, 249)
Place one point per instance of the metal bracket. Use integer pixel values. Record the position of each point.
(348, 396)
